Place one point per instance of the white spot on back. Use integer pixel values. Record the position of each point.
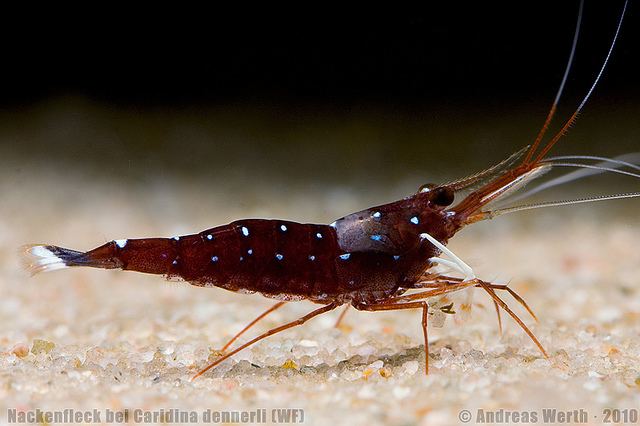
(245, 231)
(175, 262)
(345, 256)
(333, 224)
(319, 235)
(279, 256)
(176, 238)
(283, 228)
(209, 237)
(415, 220)
(312, 258)
(396, 257)
(377, 215)
(120, 243)
(250, 252)
(214, 258)
(376, 237)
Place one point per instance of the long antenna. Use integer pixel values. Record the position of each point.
(506, 210)
(554, 105)
(572, 120)
(583, 172)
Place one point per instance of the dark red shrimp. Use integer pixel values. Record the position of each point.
(368, 260)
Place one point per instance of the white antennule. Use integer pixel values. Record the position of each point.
(46, 258)
(455, 263)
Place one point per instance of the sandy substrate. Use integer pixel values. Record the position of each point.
(109, 340)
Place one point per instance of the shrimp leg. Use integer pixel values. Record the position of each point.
(411, 305)
(444, 286)
(251, 324)
(436, 282)
(405, 302)
(515, 317)
(341, 317)
(268, 333)
(456, 284)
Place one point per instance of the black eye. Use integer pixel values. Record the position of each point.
(442, 196)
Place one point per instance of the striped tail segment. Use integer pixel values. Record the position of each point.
(149, 255)
(47, 258)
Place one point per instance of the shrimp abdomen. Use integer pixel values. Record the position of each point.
(272, 257)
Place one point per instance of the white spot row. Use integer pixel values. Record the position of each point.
(280, 257)
(121, 243)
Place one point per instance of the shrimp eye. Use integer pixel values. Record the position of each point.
(427, 187)
(442, 196)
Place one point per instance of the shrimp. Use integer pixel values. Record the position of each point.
(383, 258)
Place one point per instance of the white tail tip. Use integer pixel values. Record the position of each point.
(41, 258)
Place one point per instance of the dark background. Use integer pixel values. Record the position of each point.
(324, 89)
(461, 52)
